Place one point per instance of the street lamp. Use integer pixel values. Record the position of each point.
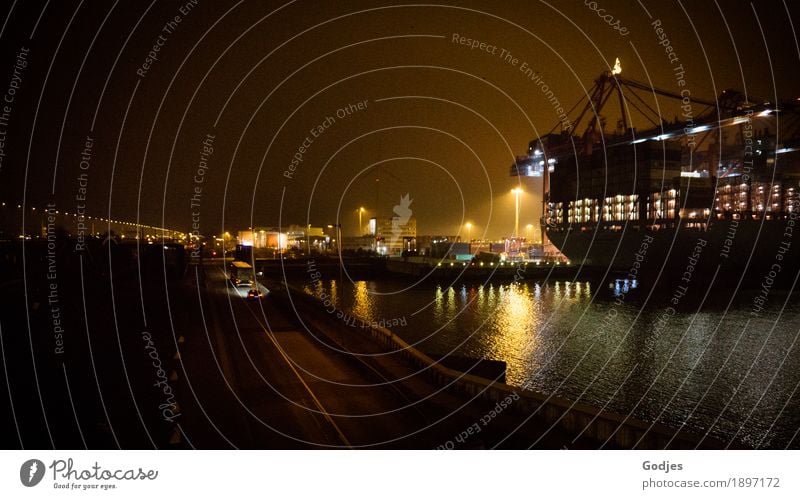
(360, 226)
(516, 191)
(468, 225)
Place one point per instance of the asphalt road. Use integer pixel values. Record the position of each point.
(259, 379)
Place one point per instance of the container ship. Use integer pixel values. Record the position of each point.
(711, 196)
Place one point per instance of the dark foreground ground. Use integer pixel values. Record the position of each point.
(135, 355)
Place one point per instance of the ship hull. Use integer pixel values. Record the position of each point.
(732, 251)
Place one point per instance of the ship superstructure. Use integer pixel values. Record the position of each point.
(725, 172)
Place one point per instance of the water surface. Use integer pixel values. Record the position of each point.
(717, 371)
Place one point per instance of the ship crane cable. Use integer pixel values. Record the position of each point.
(729, 109)
(611, 82)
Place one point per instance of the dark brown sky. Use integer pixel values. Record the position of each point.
(446, 134)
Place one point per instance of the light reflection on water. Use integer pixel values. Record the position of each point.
(363, 306)
(707, 370)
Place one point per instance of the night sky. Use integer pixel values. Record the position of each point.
(437, 120)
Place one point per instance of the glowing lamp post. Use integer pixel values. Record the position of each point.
(516, 191)
(360, 211)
